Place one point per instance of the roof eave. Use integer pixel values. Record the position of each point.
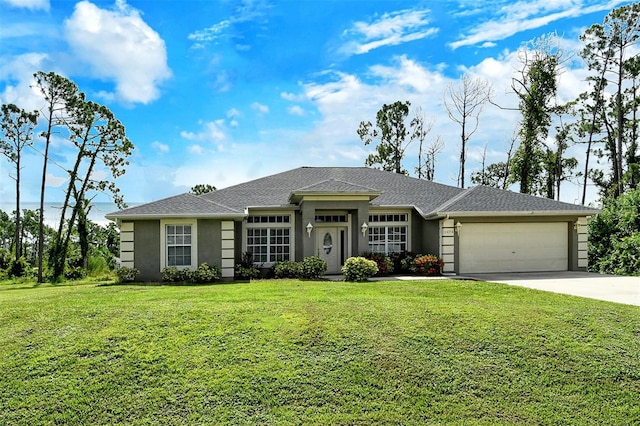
(525, 213)
(176, 216)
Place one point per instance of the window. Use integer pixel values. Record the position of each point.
(388, 239)
(269, 237)
(268, 245)
(396, 217)
(178, 245)
(331, 218)
(268, 219)
(388, 232)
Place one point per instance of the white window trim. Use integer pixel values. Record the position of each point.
(291, 226)
(194, 241)
(387, 224)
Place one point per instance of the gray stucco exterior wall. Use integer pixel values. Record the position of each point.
(147, 249)
(209, 236)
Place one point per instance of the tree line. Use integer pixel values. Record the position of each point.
(603, 119)
(99, 141)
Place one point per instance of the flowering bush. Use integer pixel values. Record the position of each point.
(384, 262)
(428, 264)
(359, 269)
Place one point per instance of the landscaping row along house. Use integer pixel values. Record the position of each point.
(339, 212)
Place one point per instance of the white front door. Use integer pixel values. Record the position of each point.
(329, 248)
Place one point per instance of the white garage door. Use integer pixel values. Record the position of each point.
(513, 247)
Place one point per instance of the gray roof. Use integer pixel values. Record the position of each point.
(386, 189)
(183, 205)
(484, 199)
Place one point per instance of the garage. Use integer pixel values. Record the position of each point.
(513, 247)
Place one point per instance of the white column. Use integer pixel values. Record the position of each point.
(447, 245)
(227, 243)
(126, 244)
(582, 229)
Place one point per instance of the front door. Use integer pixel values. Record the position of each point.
(330, 245)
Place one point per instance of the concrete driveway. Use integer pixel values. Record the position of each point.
(584, 284)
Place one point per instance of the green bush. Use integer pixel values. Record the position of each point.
(404, 262)
(384, 262)
(18, 268)
(359, 269)
(613, 236)
(97, 265)
(312, 267)
(206, 274)
(428, 264)
(246, 270)
(76, 273)
(5, 258)
(287, 269)
(127, 275)
(172, 274)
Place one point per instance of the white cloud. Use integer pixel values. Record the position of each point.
(19, 86)
(160, 147)
(119, 46)
(196, 149)
(292, 97)
(526, 15)
(296, 110)
(29, 4)
(209, 34)
(260, 108)
(213, 132)
(389, 30)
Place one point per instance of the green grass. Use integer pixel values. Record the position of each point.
(292, 352)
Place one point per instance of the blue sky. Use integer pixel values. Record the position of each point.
(222, 92)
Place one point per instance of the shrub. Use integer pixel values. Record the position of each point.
(359, 269)
(5, 258)
(97, 265)
(312, 267)
(206, 274)
(127, 275)
(384, 262)
(76, 273)
(404, 262)
(246, 270)
(18, 268)
(429, 264)
(175, 275)
(287, 269)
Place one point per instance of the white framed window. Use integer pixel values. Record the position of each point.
(178, 243)
(388, 239)
(389, 232)
(269, 245)
(269, 238)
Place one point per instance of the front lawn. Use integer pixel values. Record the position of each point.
(302, 352)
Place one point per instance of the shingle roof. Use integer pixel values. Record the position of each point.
(179, 205)
(395, 189)
(428, 198)
(493, 200)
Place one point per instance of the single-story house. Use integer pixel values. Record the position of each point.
(338, 212)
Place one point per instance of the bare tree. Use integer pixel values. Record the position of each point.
(464, 103)
(431, 152)
(421, 129)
